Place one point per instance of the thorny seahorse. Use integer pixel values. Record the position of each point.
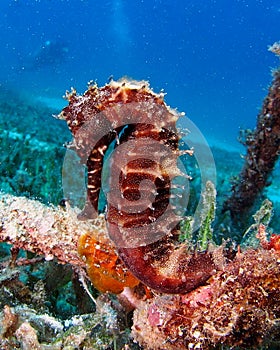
(141, 218)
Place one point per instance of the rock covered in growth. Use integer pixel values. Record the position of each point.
(240, 307)
(47, 230)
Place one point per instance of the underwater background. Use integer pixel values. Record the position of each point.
(211, 58)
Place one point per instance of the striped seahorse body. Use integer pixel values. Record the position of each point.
(142, 216)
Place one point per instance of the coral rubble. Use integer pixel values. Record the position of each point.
(24, 328)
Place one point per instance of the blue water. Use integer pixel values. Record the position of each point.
(210, 57)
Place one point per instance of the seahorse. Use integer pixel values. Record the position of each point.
(127, 129)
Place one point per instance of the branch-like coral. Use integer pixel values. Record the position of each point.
(262, 153)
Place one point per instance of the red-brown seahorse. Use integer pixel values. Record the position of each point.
(142, 219)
